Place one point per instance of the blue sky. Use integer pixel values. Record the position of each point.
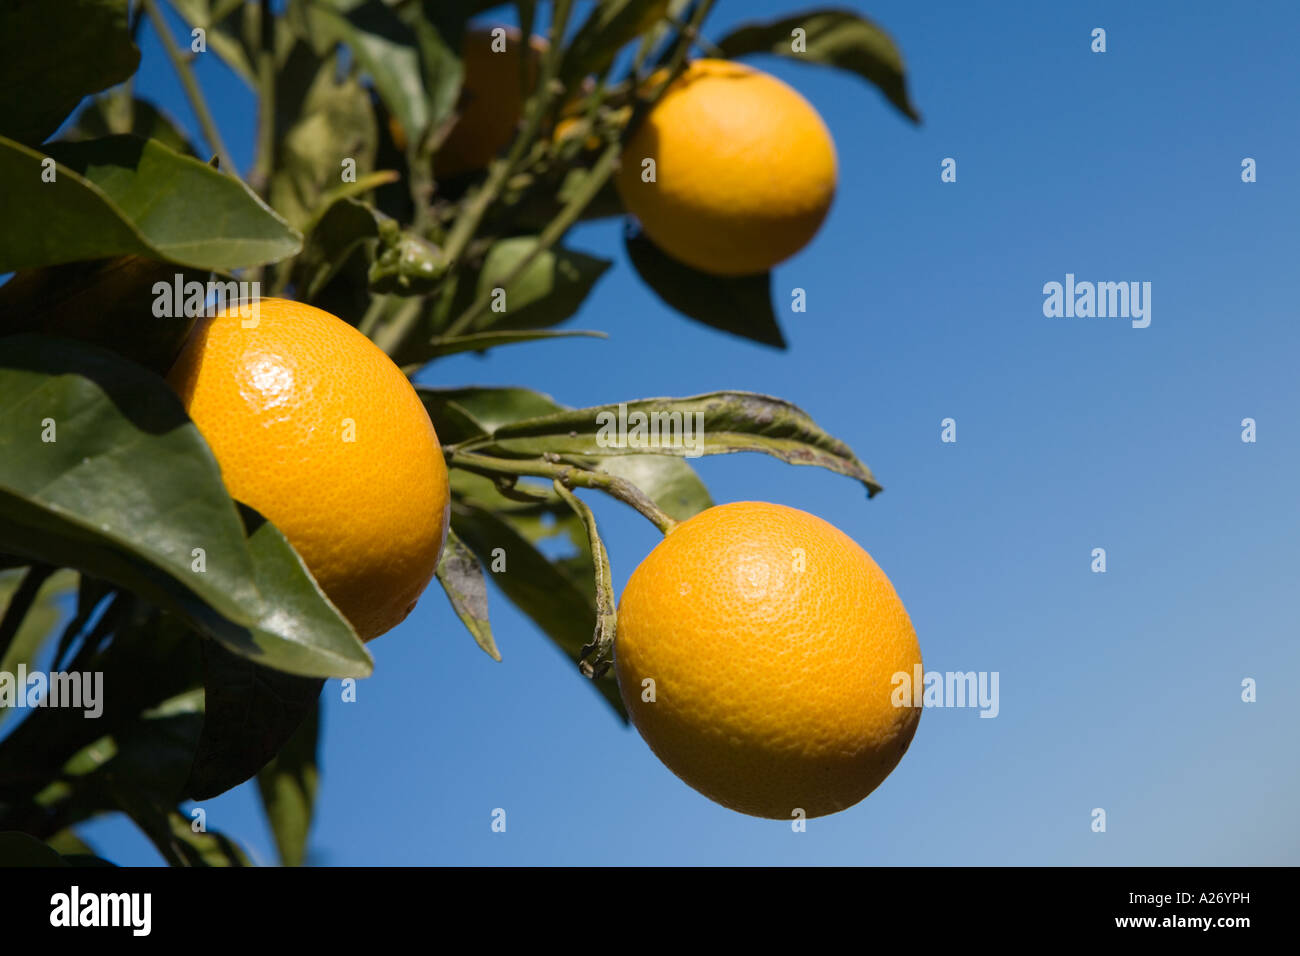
(1118, 690)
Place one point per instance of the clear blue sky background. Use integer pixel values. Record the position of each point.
(1119, 691)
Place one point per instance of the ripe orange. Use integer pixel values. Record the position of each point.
(316, 428)
(771, 639)
(493, 100)
(744, 170)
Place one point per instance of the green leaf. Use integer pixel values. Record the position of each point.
(53, 53)
(346, 226)
(548, 291)
(64, 849)
(741, 305)
(151, 698)
(474, 411)
(91, 594)
(471, 413)
(558, 597)
(439, 28)
(839, 38)
(37, 624)
(461, 576)
(118, 112)
(610, 25)
(128, 490)
(123, 196)
(336, 124)
(250, 713)
(173, 834)
(384, 48)
(720, 423)
(288, 789)
(298, 630)
(482, 341)
(670, 483)
(20, 849)
(66, 842)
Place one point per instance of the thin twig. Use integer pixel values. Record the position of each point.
(571, 475)
(554, 231)
(264, 164)
(468, 221)
(192, 91)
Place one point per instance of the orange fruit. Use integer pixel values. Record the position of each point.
(768, 640)
(315, 427)
(493, 100)
(744, 170)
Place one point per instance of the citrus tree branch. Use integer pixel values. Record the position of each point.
(467, 222)
(264, 164)
(552, 234)
(570, 475)
(192, 91)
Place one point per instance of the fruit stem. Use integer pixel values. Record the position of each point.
(570, 475)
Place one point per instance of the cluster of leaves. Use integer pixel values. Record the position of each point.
(110, 500)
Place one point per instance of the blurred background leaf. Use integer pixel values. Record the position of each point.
(74, 47)
(287, 786)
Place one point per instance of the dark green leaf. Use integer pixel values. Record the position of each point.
(486, 408)
(345, 226)
(741, 305)
(249, 714)
(53, 53)
(608, 27)
(118, 112)
(439, 28)
(91, 593)
(385, 48)
(28, 612)
(174, 835)
(288, 789)
(20, 849)
(124, 196)
(461, 576)
(482, 341)
(66, 842)
(151, 700)
(839, 38)
(129, 490)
